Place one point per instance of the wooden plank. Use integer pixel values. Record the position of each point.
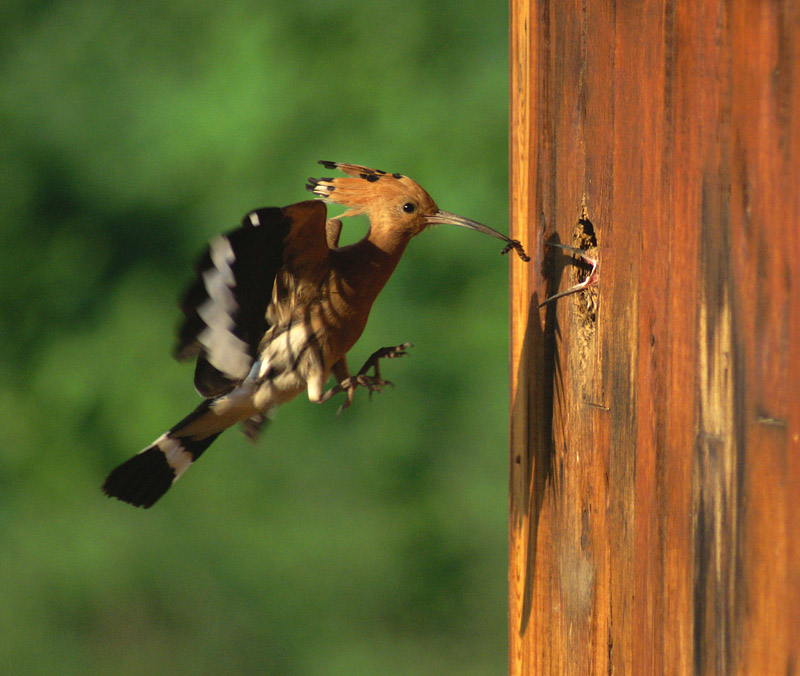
(655, 434)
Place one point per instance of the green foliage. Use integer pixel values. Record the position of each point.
(372, 543)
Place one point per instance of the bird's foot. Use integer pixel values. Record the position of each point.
(383, 353)
(372, 383)
(254, 425)
(349, 386)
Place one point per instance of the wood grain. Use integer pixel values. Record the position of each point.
(655, 423)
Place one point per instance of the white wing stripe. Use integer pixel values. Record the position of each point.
(226, 352)
(222, 257)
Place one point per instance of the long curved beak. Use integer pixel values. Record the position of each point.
(446, 218)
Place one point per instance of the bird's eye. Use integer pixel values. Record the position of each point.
(409, 207)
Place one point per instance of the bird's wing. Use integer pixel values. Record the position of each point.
(225, 308)
(306, 246)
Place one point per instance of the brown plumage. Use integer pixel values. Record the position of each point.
(275, 309)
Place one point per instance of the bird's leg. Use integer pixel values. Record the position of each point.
(254, 426)
(342, 374)
(373, 383)
(344, 384)
(591, 279)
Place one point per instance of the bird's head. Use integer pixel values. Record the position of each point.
(392, 201)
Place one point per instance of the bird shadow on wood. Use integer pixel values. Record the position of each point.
(537, 381)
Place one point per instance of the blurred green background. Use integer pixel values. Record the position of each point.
(372, 543)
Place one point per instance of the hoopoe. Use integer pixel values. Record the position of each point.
(276, 307)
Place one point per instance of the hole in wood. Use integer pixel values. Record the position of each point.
(585, 234)
(584, 237)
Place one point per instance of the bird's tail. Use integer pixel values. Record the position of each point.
(143, 479)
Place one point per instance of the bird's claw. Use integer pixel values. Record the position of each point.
(372, 383)
(387, 353)
(384, 353)
(349, 385)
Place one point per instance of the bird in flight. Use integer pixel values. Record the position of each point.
(274, 309)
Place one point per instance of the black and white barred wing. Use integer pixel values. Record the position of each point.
(225, 308)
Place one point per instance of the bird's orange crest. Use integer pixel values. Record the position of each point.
(369, 190)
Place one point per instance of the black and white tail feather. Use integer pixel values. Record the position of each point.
(224, 321)
(149, 474)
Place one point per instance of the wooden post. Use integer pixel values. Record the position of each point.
(655, 425)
